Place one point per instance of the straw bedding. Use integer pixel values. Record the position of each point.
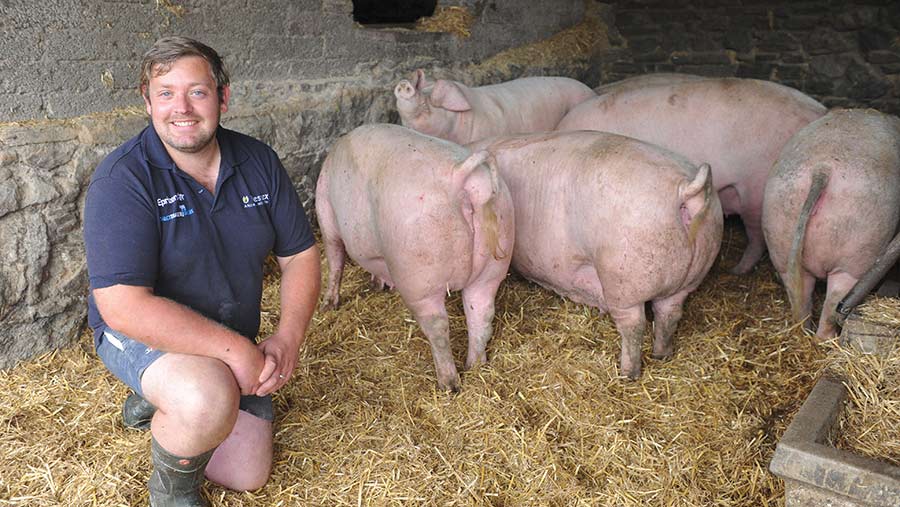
(868, 424)
(546, 422)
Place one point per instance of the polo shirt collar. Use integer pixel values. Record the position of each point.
(156, 155)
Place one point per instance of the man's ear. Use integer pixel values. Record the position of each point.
(223, 100)
(145, 95)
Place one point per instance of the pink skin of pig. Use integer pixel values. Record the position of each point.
(611, 222)
(737, 126)
(425, 216)
(645, 80)
(831, 206)
(453, 111)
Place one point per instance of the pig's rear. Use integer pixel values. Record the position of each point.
(425, 216)
(611, 222)
(832, 203)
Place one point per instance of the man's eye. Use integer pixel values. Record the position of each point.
(165, 94)
(198, 93)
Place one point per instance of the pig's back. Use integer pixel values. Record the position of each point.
(525, 105)
(735, 125)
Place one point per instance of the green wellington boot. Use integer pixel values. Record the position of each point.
(176, 480)
(137, 412)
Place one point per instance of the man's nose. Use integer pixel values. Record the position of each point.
(182, 104)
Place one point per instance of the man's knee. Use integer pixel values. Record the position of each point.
(198, 392)
(243, 462)
(251, 480)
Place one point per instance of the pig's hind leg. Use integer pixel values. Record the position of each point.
(431, 315)
(666, 314)
(478, 305)
(631, 323)
(839, 284)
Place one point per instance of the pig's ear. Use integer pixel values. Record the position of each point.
(419, 79)
(449, 96)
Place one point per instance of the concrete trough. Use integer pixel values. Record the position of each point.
(816, 474)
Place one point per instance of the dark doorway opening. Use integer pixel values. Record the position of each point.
(391, 12)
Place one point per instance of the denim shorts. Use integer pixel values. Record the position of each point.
(127, 359)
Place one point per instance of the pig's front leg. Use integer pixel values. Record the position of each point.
(334, 252)
(756, 243)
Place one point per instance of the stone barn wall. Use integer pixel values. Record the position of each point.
(842, 53)
(303, 73)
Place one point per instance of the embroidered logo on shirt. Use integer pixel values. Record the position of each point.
(256, 200)
(169, 200)
(182, 212)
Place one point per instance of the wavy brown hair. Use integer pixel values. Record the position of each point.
(164, 52)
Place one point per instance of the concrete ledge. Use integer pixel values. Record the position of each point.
(816, 474)
(872, 337)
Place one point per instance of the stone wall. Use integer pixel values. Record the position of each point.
(303, 73)
(842, 53)
(65, 58)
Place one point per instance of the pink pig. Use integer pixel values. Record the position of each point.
(611, 222)
(645, 80)
(453, 111)
(425, 216)
(738, 126)
(831, 206)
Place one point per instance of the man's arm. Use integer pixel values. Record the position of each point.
(169, 326)
(300, 284)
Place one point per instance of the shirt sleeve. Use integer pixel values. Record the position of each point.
(293, 233)
(121, 234)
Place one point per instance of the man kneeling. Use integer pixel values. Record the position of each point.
(178, 222)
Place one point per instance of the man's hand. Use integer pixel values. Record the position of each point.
(281, 353)
(248, 365)
(300, 283)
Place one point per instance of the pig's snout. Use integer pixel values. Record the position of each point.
(404, 90)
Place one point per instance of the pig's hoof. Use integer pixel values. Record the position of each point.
(662, 356)
(631, 375)
(475, 362)
(740, 269)
(452, 386)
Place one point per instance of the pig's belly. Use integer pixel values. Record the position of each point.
(572, 277)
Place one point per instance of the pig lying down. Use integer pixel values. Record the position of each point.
(611, 222)
(453, 111)
(832, 204)
(738, 126)
(425, 216)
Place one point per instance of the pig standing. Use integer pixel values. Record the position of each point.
(453, 111)
(425, 216)
(832, 204)
(736, 125)
(611, 222)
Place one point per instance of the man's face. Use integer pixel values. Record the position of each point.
(184, 106)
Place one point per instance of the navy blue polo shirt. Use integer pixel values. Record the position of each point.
(148, 223)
